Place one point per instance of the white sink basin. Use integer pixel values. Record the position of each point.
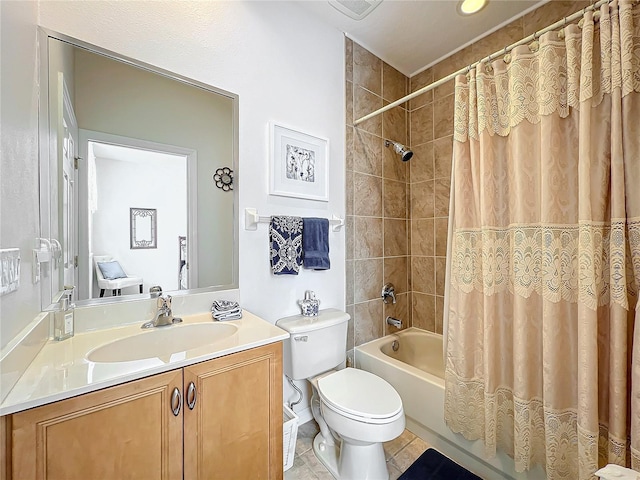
(161, 342)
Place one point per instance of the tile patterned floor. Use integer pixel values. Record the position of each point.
(400, 454)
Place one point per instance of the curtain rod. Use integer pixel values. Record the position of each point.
(534, 36)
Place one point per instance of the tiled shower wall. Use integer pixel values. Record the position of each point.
(377, 196)
(397, 213)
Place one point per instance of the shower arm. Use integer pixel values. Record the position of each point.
(534, 36)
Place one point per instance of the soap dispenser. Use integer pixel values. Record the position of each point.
(63, 321)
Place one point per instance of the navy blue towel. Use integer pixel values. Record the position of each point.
(315, 243)
(285, 242)
(432, 465)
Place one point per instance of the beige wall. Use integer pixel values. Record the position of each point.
(397, 214)
(377, 249)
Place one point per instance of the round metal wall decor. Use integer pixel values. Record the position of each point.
(224, 178)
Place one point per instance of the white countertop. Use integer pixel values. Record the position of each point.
(61, 369)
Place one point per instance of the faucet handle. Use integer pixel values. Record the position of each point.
(388, 290)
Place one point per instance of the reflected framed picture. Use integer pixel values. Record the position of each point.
(299, 164)
(142, 228)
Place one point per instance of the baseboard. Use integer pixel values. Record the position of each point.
(304, 416)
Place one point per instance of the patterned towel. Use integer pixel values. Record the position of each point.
(285, 240)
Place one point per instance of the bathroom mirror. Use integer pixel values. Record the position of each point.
(128, 157)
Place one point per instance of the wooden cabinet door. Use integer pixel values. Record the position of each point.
(124, 432)
(234, 430)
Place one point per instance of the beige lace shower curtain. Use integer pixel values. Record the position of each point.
(543, 349)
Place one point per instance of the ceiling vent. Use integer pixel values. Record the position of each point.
(356, 9)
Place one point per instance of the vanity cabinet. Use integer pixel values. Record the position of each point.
(218, 419)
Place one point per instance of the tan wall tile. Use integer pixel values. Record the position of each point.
(422, 274)
(395, 271)
(368, 279)
(442, 154)
(441, 230)
(421, 164)
(498, 40)
(364, 103)
(368, 237)
(439, 314)
(550, 13)
(368, 321)
(443, 117)
(441, 266)
(399, 310)
(348, 148)
(455, 62)
(392, 165)
(349, 101)
(423, 311)
(350, 327)
(441, 197)
(422, 199)
(367, 69)
(367, 196)
(421, 125)
(394, 83)
(367, 153)
(395, 199)
(350, 233)
(422, 237)
(394, 125)
(395, 237)
(417, 82)
(348, 58)
(349, 191)
(349, 280)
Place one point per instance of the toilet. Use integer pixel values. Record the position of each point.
(356, 410)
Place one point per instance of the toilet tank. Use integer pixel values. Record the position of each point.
(316, 344)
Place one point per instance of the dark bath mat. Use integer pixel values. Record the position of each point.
(432, 465)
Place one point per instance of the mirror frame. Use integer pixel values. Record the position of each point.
(48, 297)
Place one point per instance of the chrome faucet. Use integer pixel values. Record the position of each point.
(388, 291)
(163, 315)
(394, 322)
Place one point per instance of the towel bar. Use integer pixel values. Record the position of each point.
(251, 220)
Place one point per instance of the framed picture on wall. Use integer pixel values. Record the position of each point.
(299, 164)
(143, 228)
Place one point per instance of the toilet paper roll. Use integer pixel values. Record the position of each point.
(616, 472)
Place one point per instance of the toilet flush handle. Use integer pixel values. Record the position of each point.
(301, 338)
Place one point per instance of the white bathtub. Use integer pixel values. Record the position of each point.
(416, 371)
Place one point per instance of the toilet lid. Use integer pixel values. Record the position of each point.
(359, 393)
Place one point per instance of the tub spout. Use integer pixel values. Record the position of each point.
(394, 322)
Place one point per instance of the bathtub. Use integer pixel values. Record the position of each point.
(416, 370)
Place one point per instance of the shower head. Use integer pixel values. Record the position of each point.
(400, 149)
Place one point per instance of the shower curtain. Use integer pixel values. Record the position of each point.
(543, 347)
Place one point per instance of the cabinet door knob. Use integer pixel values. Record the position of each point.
(176, 401)
(192, 395)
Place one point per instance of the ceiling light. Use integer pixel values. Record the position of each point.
(469, 7)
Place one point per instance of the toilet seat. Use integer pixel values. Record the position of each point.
(360, 395)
